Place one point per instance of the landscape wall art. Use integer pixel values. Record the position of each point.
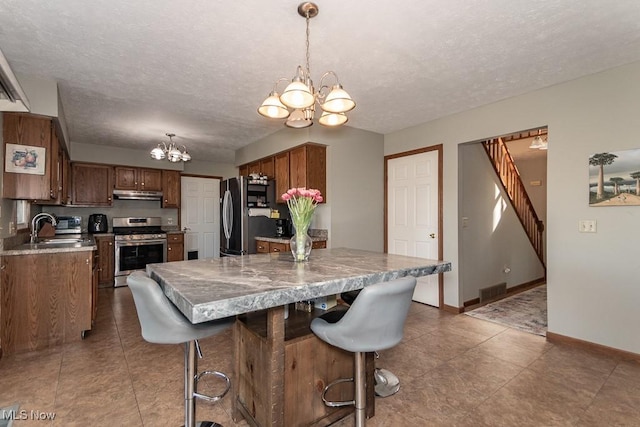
(614, 178)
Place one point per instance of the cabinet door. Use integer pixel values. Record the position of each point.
(308, 167)
(65, 192)
(175, 247)
(56, 169)
(243, 170)
(281, 163)
(106, 259)
(150, 179)
(267, 167)
(170, 189)
(92, 184)
(30, 131)
(262, 247)
(126, 178)
(278, 247)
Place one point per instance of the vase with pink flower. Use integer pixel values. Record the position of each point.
(302, 203)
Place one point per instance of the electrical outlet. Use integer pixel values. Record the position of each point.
(587, 226)
(12, 227)
(169, 221)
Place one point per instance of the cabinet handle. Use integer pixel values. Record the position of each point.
(110, 243)
(276, 250)
(169, 248)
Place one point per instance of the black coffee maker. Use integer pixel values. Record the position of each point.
(98, 223)
(283, 227)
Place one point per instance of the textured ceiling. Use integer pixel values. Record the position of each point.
(130, 71)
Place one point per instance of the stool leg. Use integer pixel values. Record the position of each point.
(360, 385)
(189, 375)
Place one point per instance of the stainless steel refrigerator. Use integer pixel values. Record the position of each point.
(240, 197)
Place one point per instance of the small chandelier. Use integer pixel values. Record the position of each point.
(297, 102)
(539, 143)
(171, 151)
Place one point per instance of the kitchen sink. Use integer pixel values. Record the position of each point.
(63, 241)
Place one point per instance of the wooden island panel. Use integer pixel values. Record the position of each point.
(281, 373)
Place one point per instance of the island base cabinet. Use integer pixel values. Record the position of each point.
(46, 300)
(280, 375)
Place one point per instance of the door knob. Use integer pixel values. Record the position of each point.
(432, 235)
(186, 229)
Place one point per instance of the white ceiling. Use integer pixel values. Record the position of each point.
(131, 71)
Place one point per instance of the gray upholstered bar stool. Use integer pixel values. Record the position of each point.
(375, 321)
(386, 383)
(162, 323)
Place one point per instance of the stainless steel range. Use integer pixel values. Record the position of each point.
(138, 242)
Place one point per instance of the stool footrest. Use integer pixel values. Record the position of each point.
(217, 397)
(340, 403)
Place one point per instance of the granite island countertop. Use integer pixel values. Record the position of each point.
(214, 288)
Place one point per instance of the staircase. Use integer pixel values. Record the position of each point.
(506, 169)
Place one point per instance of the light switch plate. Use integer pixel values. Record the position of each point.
(587, 226)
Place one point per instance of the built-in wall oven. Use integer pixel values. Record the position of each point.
(138, 242)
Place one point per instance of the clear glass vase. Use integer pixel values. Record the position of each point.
(300, 244)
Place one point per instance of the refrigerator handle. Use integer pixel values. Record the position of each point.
(227, 214)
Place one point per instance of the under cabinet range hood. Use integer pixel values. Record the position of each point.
(12, 97)
(137, 195)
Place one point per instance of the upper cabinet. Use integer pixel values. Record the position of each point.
(130, 178)
(92, 184)
(308, 167)
(27, 140)
(281, 161)
(170, 189)
(263, 166)
(302, 166)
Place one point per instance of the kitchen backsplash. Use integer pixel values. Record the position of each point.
(120, 208)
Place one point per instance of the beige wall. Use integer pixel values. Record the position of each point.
(592, 278)
(141, 158)
(353, 213)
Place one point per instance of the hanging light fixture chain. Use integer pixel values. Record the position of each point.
(307, 45)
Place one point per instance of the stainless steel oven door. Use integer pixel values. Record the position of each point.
(132, 255)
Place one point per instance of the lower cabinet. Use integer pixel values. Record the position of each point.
(263, 246)
(106, 259)
(47, 299)
(175, 247)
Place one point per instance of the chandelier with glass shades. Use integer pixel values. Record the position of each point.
(539, 143)
(171, 151)
(297, 102)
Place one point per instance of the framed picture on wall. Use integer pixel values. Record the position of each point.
(614, 178)
(24, 159)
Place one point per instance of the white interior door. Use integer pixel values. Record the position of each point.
(200, 217)
(412, 212)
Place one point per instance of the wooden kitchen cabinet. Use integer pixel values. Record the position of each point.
(281, 163)
(175, 247)
(267, 167)
(263, 166)
(263, 246)
(92, 184)
(106, 259)
(47, 299)
(31, 131)
(130, 178)
(170, 189)
(308, 167)
(303, 166)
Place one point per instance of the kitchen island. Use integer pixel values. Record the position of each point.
(269, 382)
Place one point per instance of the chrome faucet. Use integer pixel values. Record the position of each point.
(34, 224)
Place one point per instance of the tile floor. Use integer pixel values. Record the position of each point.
(454, 371)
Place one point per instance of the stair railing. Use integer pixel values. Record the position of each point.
(508, 173)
